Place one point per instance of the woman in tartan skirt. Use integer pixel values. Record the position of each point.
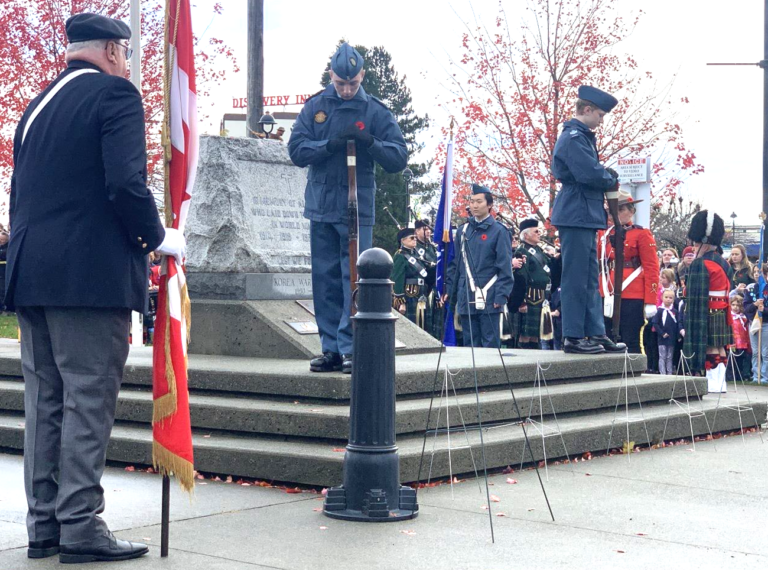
(707, 312)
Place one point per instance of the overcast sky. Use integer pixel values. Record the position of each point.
(722, 124)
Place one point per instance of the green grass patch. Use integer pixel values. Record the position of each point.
(8, 326)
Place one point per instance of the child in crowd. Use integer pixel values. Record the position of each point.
(666, 283)
(668, 325)
(741, 350)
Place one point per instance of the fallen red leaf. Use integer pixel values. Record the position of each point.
(293, 491)
(620, 551)
(511, 481)
(130, 468)
(500, 515)
(339, 449)
(495, 499)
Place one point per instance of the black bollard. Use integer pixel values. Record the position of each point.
(371, 491)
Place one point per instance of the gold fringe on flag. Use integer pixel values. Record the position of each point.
(167, 463)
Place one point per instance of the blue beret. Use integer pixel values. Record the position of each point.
(604, 100)
(86, 27)
(347, 62)
(477, 189)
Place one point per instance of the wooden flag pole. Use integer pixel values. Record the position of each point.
(618, 267)
(165, 517)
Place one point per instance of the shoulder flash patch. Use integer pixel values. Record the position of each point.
(574, 133)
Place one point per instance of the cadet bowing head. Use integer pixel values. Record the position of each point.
(347, 71)
(592, 105)
(99, 40)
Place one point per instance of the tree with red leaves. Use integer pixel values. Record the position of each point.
(512, 92)
(32, 55)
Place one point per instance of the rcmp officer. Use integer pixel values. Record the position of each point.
(342, 111)
(479, 279)
(79, 191)
(410, 275)
(535, 277)
(640, 273)
(578, 213)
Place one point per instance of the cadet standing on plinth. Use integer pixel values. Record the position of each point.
(341, 112)
(410, 276)
(578, 213)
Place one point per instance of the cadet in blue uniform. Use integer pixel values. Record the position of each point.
(578, 213)
(479, 279)
(79, 192)
(342, 111)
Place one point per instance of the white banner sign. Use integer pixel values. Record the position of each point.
(634, 170)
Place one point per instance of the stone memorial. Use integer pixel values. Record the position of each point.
(248, 255)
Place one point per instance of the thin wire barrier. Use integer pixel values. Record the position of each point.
(539, 426)
(684, 374)
(737, 406)
(624, 388)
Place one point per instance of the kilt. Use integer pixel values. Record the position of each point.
(530, 321)
(719, 332)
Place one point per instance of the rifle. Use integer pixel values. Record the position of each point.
(352, 218)
(618, 262)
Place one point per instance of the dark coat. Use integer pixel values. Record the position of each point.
(82, 219)
(575, 163)
(671, 327)
(489, 253)
(323, 118)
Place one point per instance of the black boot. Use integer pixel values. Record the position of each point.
(328, 362)
(43, 548)
(346, 363)
(582, 346)
(608, 344)
(104, 549)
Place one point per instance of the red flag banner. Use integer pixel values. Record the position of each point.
(171, 425)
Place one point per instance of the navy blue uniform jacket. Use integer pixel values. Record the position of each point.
(489, 247)
(671, 327)
(324, 117)
(575, 163)
(82, 219)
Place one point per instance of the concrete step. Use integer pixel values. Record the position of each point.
(415, 373)
(320, 462)
(238, 413)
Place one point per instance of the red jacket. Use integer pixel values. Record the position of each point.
(740, 327)
(639, 251)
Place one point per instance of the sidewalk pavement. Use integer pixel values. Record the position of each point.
(668, 508)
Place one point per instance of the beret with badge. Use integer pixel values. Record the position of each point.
(404, 233)
(347, 62)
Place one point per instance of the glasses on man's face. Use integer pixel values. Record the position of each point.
(128, 49)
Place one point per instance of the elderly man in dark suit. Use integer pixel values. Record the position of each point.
(79, 191)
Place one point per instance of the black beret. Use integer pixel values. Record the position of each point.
(529, 223)
(86, 27)
(604, 100)
(404, 233)
(422, 224)
(477, 189)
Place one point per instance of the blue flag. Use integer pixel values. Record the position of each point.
(444, 236)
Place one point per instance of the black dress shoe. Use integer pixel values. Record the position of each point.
(104, 549)
(328, 362)
(582, 346)
(43, 548)
(608, 344)
(346, 363)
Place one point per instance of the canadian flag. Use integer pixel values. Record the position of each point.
(171, 425)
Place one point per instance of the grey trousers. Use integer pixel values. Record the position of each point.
(72, 359)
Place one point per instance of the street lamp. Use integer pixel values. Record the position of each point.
(733, 229)
(267, 123)
(407, 176)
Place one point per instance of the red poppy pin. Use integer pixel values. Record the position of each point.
(360, 125)
(484, 237)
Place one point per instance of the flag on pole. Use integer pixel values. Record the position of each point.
(444, 234)
(171, 425)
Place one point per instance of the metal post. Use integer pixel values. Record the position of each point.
(371, 491)
(764, 66)
(255, 66)
(136, 43)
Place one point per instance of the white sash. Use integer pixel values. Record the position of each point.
(51, 94)
(480, 293)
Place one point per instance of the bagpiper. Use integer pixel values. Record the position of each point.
(410, 276)
(427, 254)
(535, 320)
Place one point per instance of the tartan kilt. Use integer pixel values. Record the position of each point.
(719, 332)
(530, 321)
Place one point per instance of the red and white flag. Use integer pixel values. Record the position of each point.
(171, 425)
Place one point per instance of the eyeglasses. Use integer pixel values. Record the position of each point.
(128, 49)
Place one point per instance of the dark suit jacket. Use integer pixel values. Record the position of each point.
(82, 219)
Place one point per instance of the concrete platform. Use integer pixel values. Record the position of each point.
(669, 508)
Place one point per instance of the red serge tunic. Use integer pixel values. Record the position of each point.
(719, 286)
(639, 251)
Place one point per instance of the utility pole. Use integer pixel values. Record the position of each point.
(255, 66)
(136, 43)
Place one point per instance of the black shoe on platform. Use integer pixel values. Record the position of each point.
(346, 363)
(43, 548)
(582, 346)
(328, 362)
(104, 549)
(608, 344)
